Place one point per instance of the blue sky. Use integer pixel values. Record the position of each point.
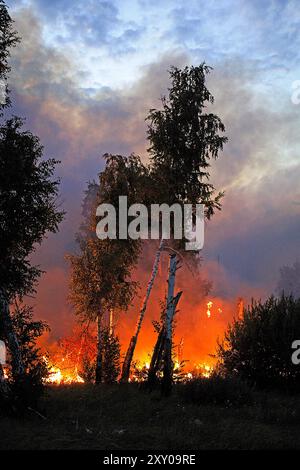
(111, 41)
(87, 71)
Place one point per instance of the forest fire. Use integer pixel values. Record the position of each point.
(201, 318)
(68, 358)
(59, 376)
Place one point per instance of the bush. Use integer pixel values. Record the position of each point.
(26, 390)
(258, 347)
(87, 371)
(110, 357)
(216, 390)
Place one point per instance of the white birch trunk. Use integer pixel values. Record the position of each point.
(170, 298)
(170, 310)
(11, 337)
(133, 341)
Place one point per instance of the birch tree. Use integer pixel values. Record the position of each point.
(101, 271)
(184, 138)
(133, 341)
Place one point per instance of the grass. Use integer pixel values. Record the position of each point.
(124, 417)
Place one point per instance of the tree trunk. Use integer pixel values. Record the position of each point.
(111, 322)
(11, 337)
(4, 387)
(156, 359)
(130, 351)
(159, 350)
(2, 379)
(168, 365)
(98, 378)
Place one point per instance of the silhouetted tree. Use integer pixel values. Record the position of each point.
(28, 389)
(28, 203)
(28, 208)
(183, 139)
(8, 39)
(111, 348)
(258, 347)
(101, 272)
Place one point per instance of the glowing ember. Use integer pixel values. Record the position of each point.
(209, 306)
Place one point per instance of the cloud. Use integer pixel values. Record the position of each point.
(264, 31)
(91, 23)
(257, 229)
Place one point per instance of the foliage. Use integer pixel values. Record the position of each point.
(87, 370)
(27, 389)
(28, 210)
(111, 357)
(28, 331)
(8, 39)
(257, 348)
(101, 272)
(110, 353)
(28, 191)
(184, 138)
(28, 205)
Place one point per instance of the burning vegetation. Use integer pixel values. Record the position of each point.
(72, 359)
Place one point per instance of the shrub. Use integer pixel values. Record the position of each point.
(25, 390)
(110, 357)
(258, 347)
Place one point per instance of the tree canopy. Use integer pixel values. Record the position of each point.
(101, 271)
(8, 39)
(28, 205)
(184, 138)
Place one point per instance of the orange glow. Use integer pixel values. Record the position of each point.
(58, 376)
(200, 320)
